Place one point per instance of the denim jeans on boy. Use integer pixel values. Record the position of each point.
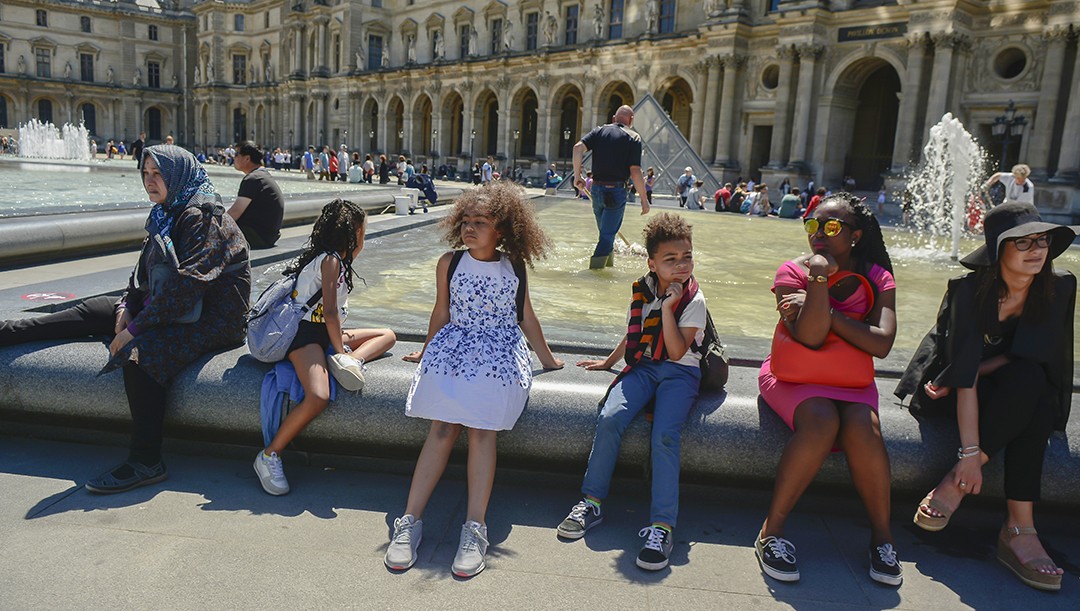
(608, 204)
(675, 388)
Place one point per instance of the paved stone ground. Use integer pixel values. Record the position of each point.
(210, 538)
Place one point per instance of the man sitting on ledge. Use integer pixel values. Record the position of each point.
(259, 207)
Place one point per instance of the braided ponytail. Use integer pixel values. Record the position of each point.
(870, 250)
(334, 231)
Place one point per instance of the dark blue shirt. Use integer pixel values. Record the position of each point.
(615, 148)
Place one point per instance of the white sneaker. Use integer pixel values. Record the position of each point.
(470, 555)
(271, 474)
(408, 531)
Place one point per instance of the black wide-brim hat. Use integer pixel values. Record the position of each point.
(1016, 220)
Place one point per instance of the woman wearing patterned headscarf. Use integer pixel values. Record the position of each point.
(186, 297)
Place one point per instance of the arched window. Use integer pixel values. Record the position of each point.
(88, 114)
(528, 126)
(44, 108)
(3, 112)
(153, 123)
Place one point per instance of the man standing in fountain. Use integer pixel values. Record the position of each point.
(137, 148)
(616, 157)
(259, 207)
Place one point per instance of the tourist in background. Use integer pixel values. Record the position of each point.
(819, 376)
(1018, 187)
(695, 197)
(814, 201)
(137, 149)
(356, 172)
(369, 168)
(159, 328)
(683, 184)
(487, 172)
(343, 163)
(1000, 361)
(650, 184)
(384, 170)
(259, 208)
(324, 164)
(308, 162)
(790, 205)
(722, 197)
(616, 158)
(477, 173)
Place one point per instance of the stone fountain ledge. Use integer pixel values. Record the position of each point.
(40, 237)
(730, 438)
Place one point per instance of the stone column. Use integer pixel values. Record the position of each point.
(468, 141)
(697, 107)
(298, 123)
(543, 127)
(1069, 161)
(904, 145)
(1038, 156)
(941, 78)
(709, 96)
(320, 62)
(728, 121)
(778, 150)
(808, 55)
(382, 133)
(408, 142)
(298, 50)
(504, 139)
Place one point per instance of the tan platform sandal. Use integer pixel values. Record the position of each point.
(932, 523)
(1026, 572)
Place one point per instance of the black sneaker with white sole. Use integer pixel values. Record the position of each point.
(884, 565)
(657, 549)
(582, 517)
(777, 558)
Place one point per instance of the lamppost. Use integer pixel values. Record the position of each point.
(472, 149)
(345, 139)
(272, 139)
(371, 139)
(566, 150)
(1007, 127)
(400, 141)
(513, 170)
(218, 141)
(434, 149)
(292, 145)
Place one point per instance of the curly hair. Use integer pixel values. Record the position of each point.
(870, 249)
(666, 227)
(515, 219)
(334, 232)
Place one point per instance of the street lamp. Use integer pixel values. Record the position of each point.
(400, 140)
(513, 170)
(434, 148)
(566, 150)
(1007, 127)
(371, 139)
(472, 149)
(345, 139)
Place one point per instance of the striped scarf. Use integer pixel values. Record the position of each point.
(643, 332)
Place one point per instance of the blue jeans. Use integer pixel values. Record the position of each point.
(675, 388)
(608, 204)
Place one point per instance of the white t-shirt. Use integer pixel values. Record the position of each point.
(310, 280)
(692, 316)
(1014, 191)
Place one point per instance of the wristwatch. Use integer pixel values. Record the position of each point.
(812, 278)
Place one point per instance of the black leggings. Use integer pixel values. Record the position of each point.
(96, 317)
(1014, 418)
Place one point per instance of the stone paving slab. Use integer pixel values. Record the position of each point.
(208, 537)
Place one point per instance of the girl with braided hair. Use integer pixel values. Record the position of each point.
(839, 302)
(326, 266)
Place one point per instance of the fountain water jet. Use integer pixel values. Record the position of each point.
(39, 140)
(945, 183)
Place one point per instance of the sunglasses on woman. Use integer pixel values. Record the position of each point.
(1025, 244)
(832, 226)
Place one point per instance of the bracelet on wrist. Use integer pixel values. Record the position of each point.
(817, 278)
(968, 452)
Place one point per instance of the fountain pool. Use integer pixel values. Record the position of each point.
(736, 258)
(37, 188)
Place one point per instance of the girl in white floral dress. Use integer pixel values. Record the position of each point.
(475, 371)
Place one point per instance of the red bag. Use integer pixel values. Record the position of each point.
(835, 363)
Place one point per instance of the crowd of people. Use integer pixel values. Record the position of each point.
(997, 364)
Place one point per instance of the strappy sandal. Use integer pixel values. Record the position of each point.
(1026, 572)
(932, 523)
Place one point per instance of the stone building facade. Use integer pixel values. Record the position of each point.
(117, 65)
(804, 89)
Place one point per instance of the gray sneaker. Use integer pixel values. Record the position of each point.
(470, 555)
(582, 517)
(271, 474)
(408, 531)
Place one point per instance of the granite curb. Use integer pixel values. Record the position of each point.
(731, 437)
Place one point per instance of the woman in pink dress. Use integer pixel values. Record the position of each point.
(844, 236)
